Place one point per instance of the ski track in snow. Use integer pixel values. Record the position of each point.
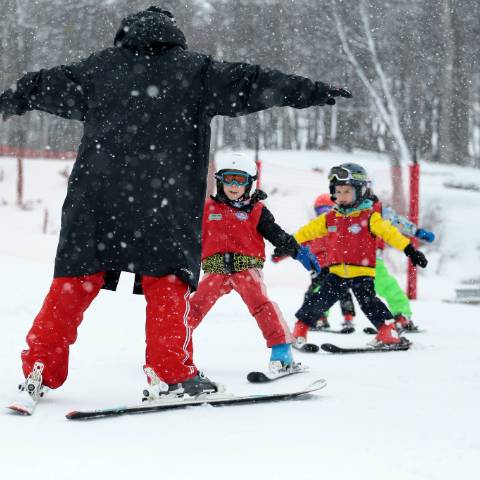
(406, 415)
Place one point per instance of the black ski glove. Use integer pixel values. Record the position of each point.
(9, 105)
(416, 256)
(328, 92)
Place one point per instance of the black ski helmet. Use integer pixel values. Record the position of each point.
(349, 174)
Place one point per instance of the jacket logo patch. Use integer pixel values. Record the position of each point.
(355, 228)
(215, 216)
(332, 229)
(241, 215)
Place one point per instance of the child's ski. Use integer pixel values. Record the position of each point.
(372, 331)
(264, 377)
(343, 331)
(307, 347)
(215, 400)
(328, 347)
(29, 393)
(23, 404)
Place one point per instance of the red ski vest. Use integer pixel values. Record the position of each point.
(319, 249)
(349, 239)
(229, 230)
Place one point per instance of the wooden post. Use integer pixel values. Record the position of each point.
(19, 179)
(45, 221)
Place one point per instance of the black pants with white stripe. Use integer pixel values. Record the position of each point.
(333, 288)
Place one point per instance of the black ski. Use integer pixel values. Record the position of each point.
(343, 331)
(328, 347)
(307, 347)
(372, 331)
(216, 400)
(265, 377)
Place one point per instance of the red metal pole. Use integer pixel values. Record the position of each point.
(259, 171)
(414, 215)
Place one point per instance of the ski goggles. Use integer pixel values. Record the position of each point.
(321, 209)
(234, 178)
(344, 175)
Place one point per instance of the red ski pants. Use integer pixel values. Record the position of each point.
(168, 336)
(250, 286)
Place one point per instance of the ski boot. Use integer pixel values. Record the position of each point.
(404, 324)
(30, 392)
(347, 321)
(281, 359)
(321, 324)
(193, 387)
(387, 336)
(300, 332)
(197, 385)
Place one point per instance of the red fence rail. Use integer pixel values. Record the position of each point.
(8, 151)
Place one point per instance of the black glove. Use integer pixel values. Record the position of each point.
(7, 107)
(328, 92)
(416, 256)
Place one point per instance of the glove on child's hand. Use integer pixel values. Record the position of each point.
(308, 259)
(416, 256)
(425, 235)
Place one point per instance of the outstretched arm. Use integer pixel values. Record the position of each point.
(240, 88)
(385, 230)
(61, 90)
(315, 229)
(406, 226)
(285, 244)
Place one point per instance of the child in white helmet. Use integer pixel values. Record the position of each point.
(235, 224)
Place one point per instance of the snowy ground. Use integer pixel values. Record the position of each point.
(406, 415)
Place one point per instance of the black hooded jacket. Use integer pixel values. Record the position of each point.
(137, 189)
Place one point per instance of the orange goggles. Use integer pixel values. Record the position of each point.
(234, 178)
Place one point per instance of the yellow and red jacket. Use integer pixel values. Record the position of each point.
(351, 239)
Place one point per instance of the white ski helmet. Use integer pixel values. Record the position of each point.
(237, 161)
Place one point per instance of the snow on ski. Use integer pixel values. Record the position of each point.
(212, 399)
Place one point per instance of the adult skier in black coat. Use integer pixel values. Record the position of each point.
(136, 192)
